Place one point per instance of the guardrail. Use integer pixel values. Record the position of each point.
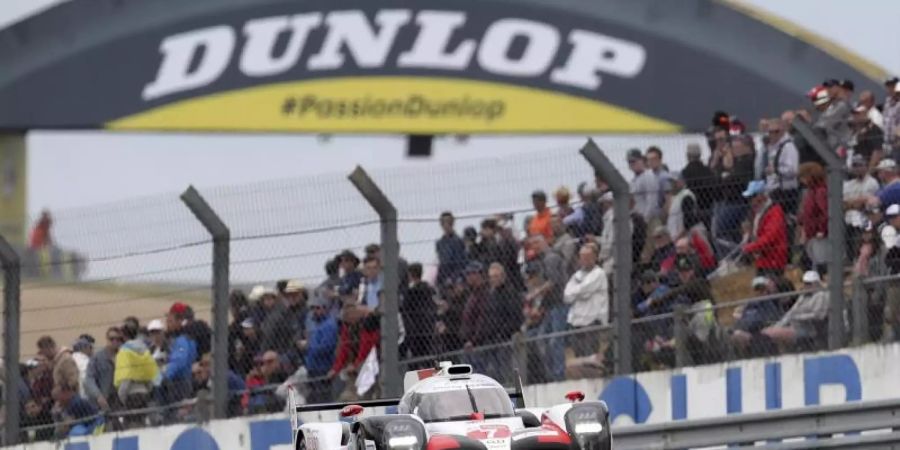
(833, 426)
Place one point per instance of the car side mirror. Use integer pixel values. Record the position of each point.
(351, 410)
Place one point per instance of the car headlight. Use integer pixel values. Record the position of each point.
(404, 435)
(587, 425)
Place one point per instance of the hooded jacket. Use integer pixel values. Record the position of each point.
(135, 364)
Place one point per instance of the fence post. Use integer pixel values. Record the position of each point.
(391, 378)
(221, 237)
(835, 183)
(860, 310)
(679, 322)
(622, 277)
(11, 317)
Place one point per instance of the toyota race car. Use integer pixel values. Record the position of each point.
(452, 408)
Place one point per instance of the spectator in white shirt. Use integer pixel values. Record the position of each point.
(782, 162)
(856, 191)
(587, 294)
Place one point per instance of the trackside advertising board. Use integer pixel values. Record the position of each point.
(468, 66)
(866, 373)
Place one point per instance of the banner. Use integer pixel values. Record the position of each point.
(461, 66)
(700, 392)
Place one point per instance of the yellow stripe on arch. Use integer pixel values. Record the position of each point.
(393, 105)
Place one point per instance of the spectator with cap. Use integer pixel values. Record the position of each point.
(857, 189)
(767, 240)
(813, 218)
(587, 294)
(175, 382)
(891, 115)
(644, 188)
(681, 207)
(158, 347)
(247, 345)
(781, 162)
(418, 312)
(700, 180)
(845, 90)
(319, 350)
(733, 165)
(295, 296)
(753, 317)
(868, 139)
(873, 112)
(870, 262)
(807, 317)
(654, 158)
(889, 193)
(329, 287)
(99, 381)
(82, 350)
(451, 251)
(555, 276)
(649, 287)
(271, 318)
(540, 224)
(834, 118)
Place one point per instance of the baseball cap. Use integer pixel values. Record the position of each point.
(831, 82)
(81, 344)
(755, 187)
(811, 276)
(821, 98)
(846, 84)
(247, 323)
(887, 164)
(258, 292)
(294, 286)
(155, 325)
(858, 160)
(759, 281)
(893, 210)
(891, 80)
(474, 267)
(178, 308)
(635, 154)
(32, 363)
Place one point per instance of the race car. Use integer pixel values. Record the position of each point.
(450, 407)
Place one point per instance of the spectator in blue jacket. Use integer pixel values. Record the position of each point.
(320, 349)
(451, 251)
(176, 382)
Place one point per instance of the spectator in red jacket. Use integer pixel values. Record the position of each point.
(768, 240)
(813, 217)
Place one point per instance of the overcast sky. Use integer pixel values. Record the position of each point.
(74, 169)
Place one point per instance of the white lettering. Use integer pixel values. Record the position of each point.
(179, 51)
(540, 48)
(369, 49)
(430, 48)
(593, 52)
(257, 58)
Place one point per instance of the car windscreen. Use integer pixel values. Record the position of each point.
(456, 404)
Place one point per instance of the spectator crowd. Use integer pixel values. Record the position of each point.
(757, 200)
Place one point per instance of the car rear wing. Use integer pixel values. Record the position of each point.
(296, 408)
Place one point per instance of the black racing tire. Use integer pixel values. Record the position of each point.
(301, 442)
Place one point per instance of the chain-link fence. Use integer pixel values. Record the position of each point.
(506, 263)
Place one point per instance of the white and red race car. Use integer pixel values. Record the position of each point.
(452, 408)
